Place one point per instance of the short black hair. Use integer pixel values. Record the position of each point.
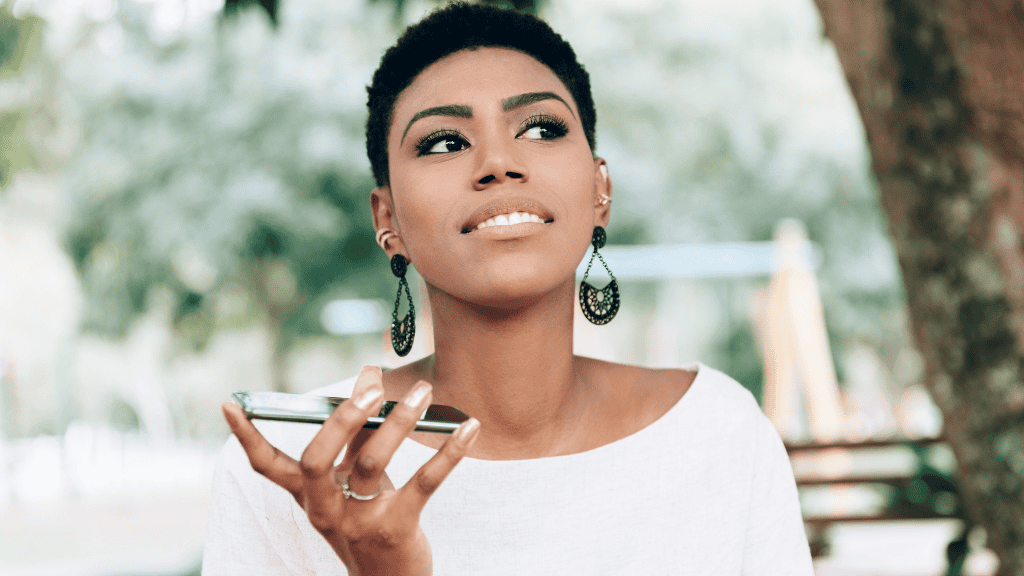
(461, 26)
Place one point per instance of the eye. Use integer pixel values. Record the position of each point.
(441, 142)
(543, 127)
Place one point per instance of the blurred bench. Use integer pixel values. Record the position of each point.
(926, 494)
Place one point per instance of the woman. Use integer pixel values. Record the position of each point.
(570, 465)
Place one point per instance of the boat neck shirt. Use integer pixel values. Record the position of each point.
(706, 489)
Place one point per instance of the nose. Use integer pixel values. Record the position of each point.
(499, 163)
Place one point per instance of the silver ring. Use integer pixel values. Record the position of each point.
(350, 494)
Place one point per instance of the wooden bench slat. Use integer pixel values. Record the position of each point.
(819, 521)
(850, 480)
(858, 444)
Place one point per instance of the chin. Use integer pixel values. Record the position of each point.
(510, 287)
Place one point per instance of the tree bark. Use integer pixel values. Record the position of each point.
(277, 303)
(939, 88)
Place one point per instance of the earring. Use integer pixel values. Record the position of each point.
(383, 235)
(402, 332)
(599, 306)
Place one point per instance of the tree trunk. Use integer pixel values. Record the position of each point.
(273, 285)
(939, 87)
(278, 356)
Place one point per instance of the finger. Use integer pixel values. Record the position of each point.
(354, 446)
(264, 458)
(369, 377)
(414, 495)
(342, 425)
(357, 441)
(344, 469)
(374, 456)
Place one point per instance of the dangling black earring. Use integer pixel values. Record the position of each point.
(402, 332)
(599, 306)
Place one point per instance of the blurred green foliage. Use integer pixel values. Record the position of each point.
(211, 174)
(20, 40)
(232, 7)
(400, 7)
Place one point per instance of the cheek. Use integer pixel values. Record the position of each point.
(571, 179)
(421, 214)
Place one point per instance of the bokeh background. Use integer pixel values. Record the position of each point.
(184, 213)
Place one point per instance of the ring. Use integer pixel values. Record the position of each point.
(350, 494)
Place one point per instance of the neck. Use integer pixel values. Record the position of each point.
(512, 370)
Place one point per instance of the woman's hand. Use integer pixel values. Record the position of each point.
(381, 535)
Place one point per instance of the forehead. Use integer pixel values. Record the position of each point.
(477, 77)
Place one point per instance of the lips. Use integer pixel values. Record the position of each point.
(505, 207)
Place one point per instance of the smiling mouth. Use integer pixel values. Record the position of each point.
(510, 219)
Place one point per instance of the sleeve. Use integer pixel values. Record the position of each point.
(775, 542)
(237, 531)
(251, 530)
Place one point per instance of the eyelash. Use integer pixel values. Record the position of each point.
(552, 124)
(427, 142)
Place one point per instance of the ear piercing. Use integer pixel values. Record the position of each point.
(383, 235)
(603, 199)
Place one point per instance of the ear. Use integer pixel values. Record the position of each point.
(602, 190)
(384, 217)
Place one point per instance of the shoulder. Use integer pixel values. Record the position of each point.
(726, 404)
(670, 385)
(700, 391)
(646, 393)
(719, 387)
(693, 394)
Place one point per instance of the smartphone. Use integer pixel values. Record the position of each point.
(316, 409)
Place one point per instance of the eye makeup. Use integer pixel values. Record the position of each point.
(548, 127)
(425, 145)
(553, 125)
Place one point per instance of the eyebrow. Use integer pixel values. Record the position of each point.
(513, 102)
(463, 111)
(457, 110)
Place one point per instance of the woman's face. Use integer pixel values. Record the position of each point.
(479, 137)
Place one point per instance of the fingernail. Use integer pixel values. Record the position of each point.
(467, 431)
(417, 395)
(371, 367)
(367, 398)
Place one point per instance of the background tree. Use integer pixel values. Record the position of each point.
(938, 86)
(19, 43)
(213, 177)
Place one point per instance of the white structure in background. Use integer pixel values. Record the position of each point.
(795, 344)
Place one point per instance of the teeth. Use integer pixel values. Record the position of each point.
(509, 219)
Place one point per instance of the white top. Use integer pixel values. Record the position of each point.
(706, 489)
